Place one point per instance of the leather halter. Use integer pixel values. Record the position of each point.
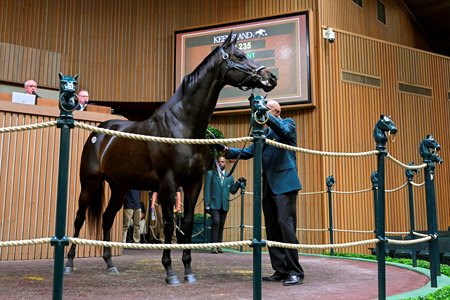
(244, 69)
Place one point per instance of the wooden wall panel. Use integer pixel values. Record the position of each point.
(400, 28)
(28, 184)
(350, 111)
(122, 50)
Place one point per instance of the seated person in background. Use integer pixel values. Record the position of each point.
(83, 99)
(31, 88)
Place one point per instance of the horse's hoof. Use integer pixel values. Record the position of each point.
(173, 280)
(190, 278)
(68, 270)
(112, 271)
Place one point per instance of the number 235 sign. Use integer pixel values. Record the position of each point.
(281, 44)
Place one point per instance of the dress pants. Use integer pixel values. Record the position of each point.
(281, 223)
(218, 218)
(128, 215)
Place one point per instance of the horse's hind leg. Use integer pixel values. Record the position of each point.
(79, 221)
(115, 204)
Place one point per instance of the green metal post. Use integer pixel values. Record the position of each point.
(242, 215)
(259, 118)
(428, 148)
(384, 126)
(409, 176)
(257, 163)
(374, 179)
(67, 103)
(381, 245)
(59, 241)
(330, 182)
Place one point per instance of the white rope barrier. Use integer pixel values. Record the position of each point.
(166, 140)
(323, 153)
(26, 242)
(397, 189)
(354, 231)
(354, 192)
(313, 193)
(397, 232)
(417, 184)
(28, 127)
(404, 165)
(408, 242)
(326, 246)
(311, 229)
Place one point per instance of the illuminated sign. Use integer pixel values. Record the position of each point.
(281, 44)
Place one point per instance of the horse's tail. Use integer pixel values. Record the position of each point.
(95, 209)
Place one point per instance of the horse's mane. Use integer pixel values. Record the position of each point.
(191, 79)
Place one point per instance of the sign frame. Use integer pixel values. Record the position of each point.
(281, 43)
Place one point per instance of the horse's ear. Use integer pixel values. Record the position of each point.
(75, 77)
(228, 40)
(61, 75)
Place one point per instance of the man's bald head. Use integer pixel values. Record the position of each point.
(274, 108)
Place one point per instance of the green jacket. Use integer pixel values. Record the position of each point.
(216, 193)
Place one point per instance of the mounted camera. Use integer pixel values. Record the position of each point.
(329, 35)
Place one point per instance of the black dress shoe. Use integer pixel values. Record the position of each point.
(293, 280)
(275, 277)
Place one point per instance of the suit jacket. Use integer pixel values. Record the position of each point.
(216, 193)
(279, 165)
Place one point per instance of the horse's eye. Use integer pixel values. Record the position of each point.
(241, 56)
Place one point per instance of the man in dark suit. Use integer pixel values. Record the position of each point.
(280, 187)
(217, 189)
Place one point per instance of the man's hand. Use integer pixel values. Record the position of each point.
(242, 179)
(220, 147)
(208, 209)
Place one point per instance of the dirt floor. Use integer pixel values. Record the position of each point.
(220, 276)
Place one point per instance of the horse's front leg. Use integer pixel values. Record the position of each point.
(190, 199)
(171, 276)
(189, 276)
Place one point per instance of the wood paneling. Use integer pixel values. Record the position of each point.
(28, 184)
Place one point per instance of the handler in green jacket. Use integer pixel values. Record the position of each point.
(217, 189)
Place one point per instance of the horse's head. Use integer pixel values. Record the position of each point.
(428, 149)
(384, 127)
(67, 89)
(243, 72)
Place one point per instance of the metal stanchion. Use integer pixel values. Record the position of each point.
(409, 176)
(330, 182)
(428, 148)
(383, 127)
(67, 104)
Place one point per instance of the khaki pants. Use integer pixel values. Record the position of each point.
(128, 215)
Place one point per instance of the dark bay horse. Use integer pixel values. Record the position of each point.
(141, 165)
